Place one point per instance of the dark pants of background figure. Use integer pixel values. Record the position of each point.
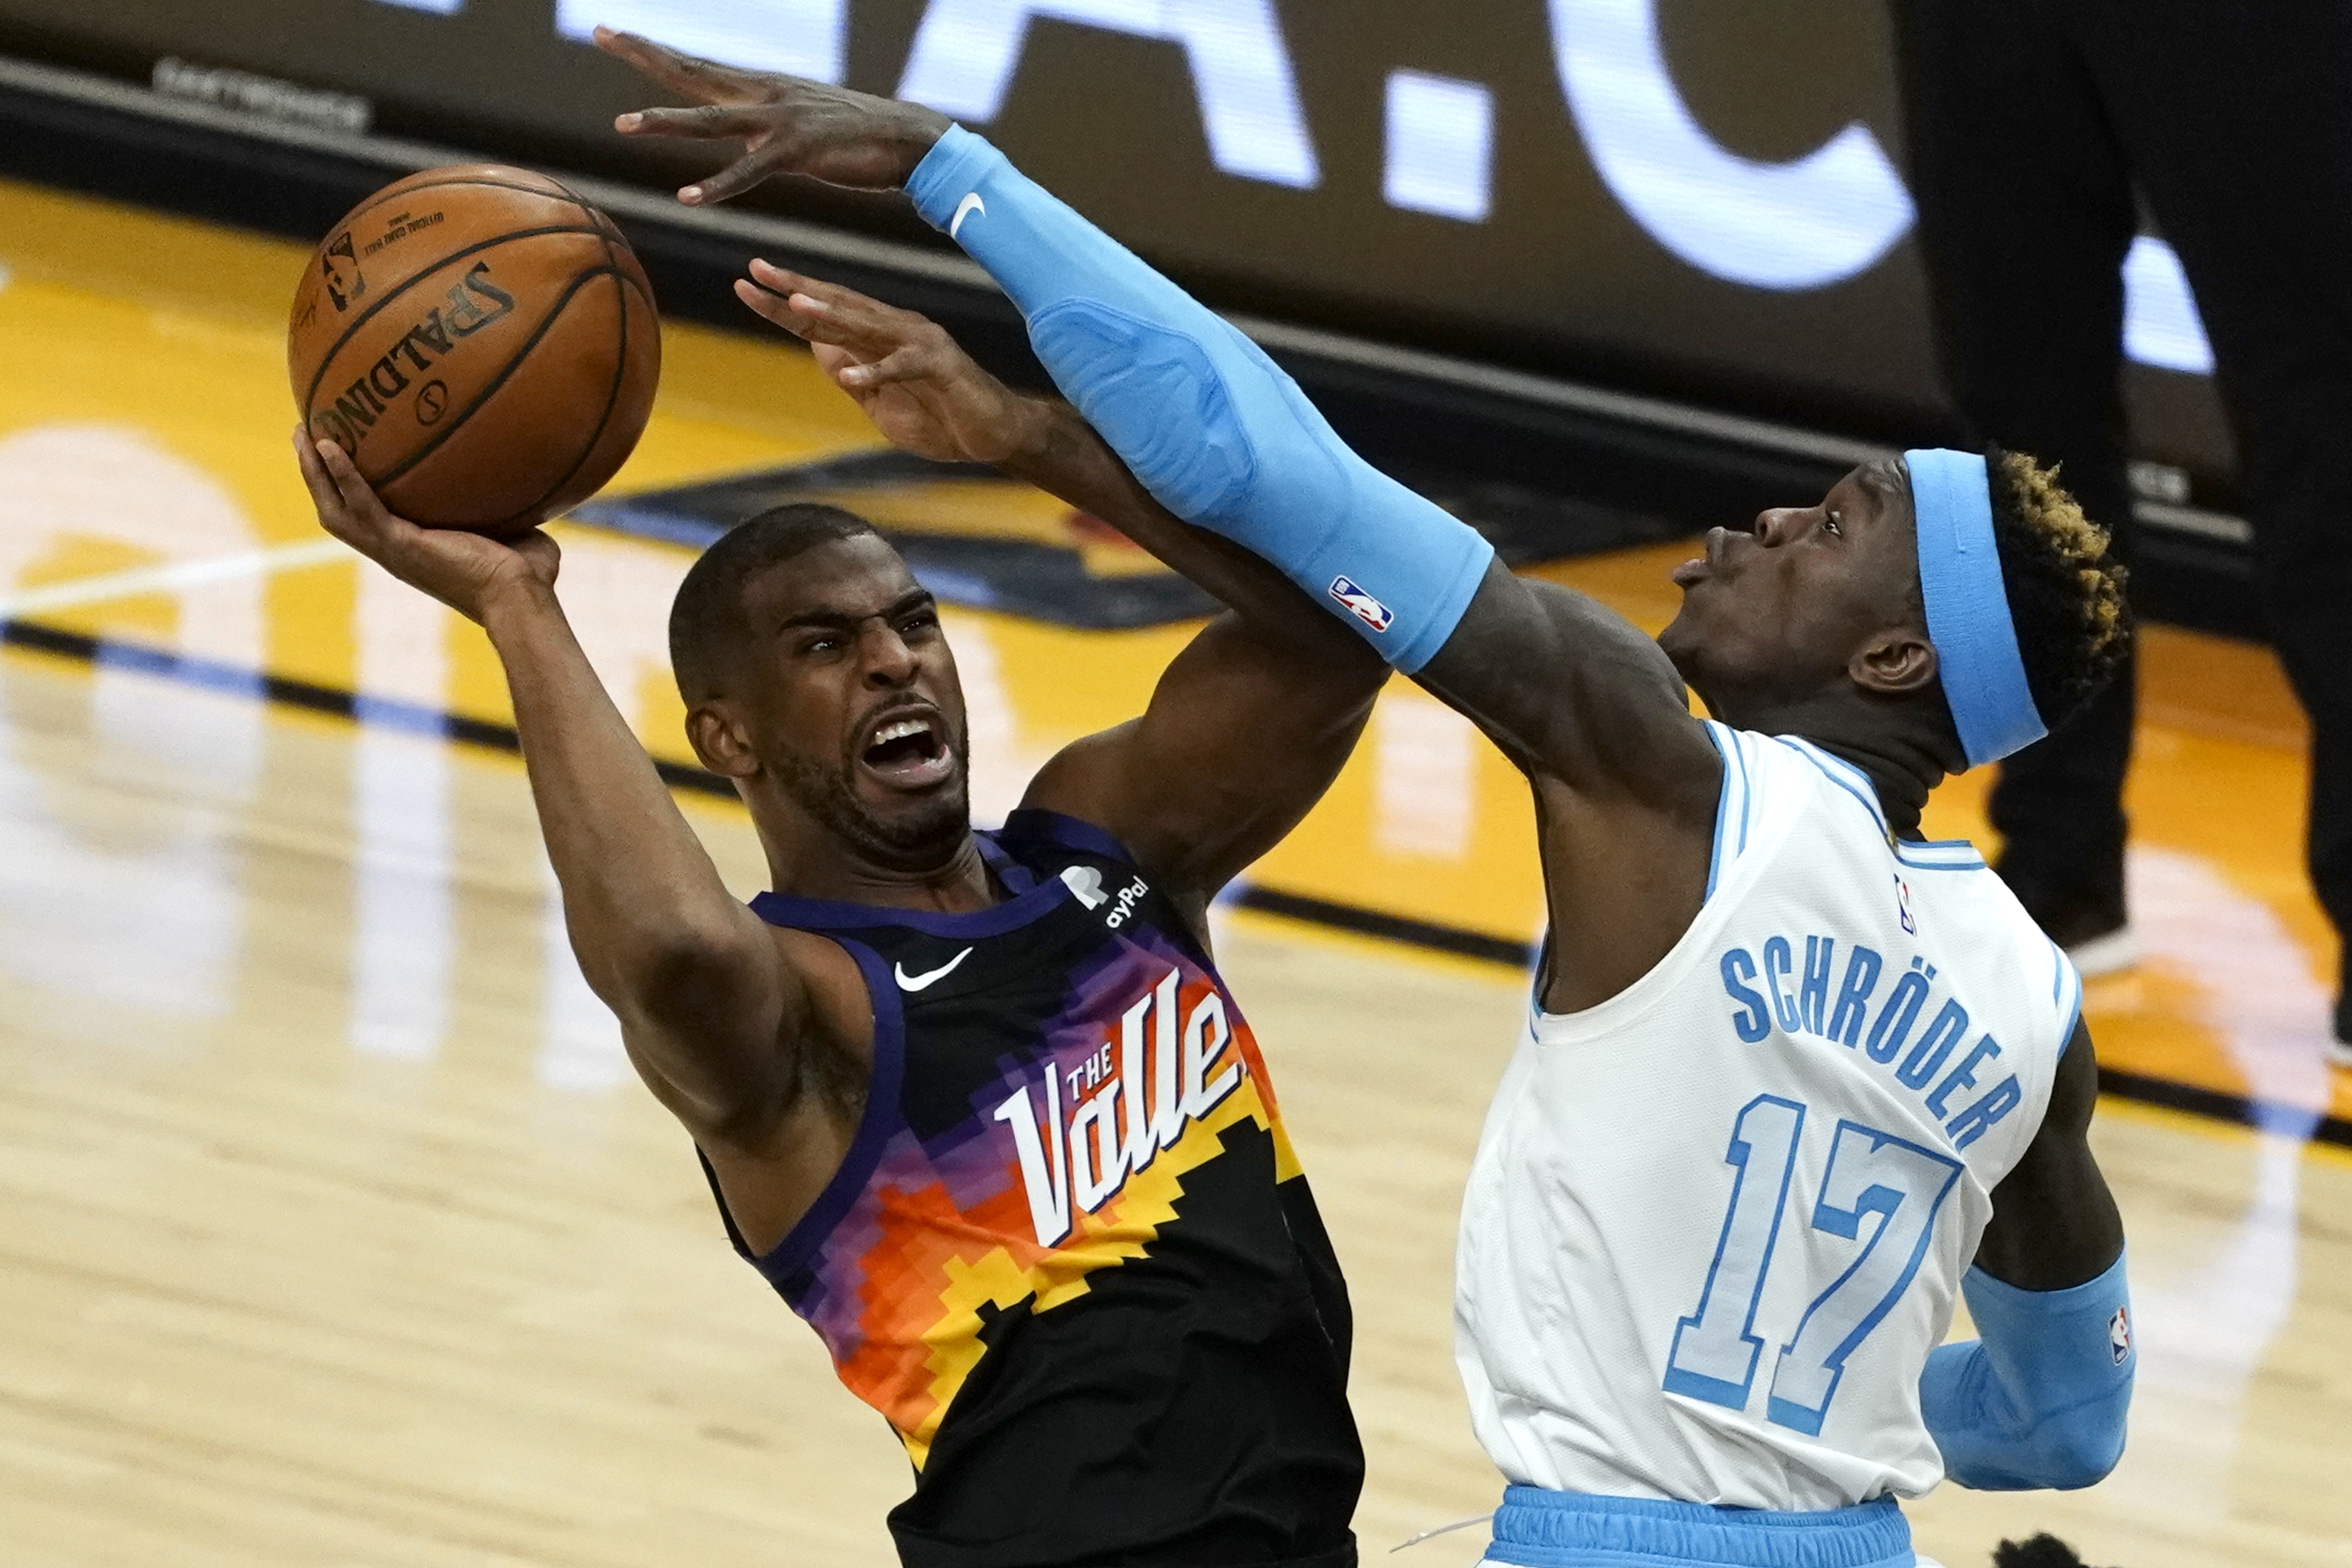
(2030, 123)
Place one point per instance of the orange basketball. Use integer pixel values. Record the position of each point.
(481, 342)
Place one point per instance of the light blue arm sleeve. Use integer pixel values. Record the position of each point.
(1212, 427)
(2040, 1398)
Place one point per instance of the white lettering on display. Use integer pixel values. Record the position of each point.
(803, 37)
(1441, 146)
(1799, 224)
(1815, 221)
(1158, 1089)
(965, 52)
(1806, 223)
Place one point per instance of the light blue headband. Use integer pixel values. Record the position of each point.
(1968, 606)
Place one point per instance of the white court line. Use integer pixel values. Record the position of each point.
(173, 576)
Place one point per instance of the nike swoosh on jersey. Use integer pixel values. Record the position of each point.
(918, 982)
(969, 205)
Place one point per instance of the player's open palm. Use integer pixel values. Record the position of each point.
(464, 571)
(788, 125)
(920, 389)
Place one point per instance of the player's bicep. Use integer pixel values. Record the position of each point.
(1243, 733)
(2054, 1223)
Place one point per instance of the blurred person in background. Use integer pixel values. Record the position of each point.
(2030, 125)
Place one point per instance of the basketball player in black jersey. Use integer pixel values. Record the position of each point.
(977, 1104)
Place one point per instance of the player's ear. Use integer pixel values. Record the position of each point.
(1894, 663)
(719, 741)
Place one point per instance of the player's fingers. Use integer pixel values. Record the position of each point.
(831, 358)
(828, 313)
(324, 496)
(690, 75)
(753, 166)
(767, 306)
(796, 312)
(912, 362)
(709, 122)
(783, 281)
(359, 501)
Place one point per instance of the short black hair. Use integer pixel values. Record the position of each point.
(2064, 585)
(707, 620)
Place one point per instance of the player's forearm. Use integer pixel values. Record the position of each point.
(644, 904)
(1210, 426)
(1064, 455)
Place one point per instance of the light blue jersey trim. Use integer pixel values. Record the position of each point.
(2066, 991)
(1939, 854)
(1539, 1529)
(1843, 774)
(1919, 854)
(1734, 807)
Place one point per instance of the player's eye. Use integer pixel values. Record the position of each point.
(1830, 522)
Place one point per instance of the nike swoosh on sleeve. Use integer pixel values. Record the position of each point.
(969, 205)
(918, 982)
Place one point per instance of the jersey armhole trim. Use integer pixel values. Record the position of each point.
(2066, 993)
(874, 1128)
(1731, 804)
(1036, 823)
(1843, 774)
(828, 916)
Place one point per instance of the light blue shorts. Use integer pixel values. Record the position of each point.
(1538, 1529)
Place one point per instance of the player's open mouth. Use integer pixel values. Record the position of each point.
(908, 751)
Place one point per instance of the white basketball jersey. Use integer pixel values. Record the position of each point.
(1716, 1223)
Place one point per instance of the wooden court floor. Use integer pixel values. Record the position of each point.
(336, 1233)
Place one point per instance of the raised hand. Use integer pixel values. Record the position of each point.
(920, 389)
(788, 125)
(464, 571)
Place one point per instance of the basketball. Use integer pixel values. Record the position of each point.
(481, 342)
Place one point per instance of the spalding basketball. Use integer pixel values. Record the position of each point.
(481, 342)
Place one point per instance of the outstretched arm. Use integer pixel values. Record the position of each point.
(2039, 1398)
(724, 1027)
(1223, 438)
(1249, 724)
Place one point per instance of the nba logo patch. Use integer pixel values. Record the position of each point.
(1362, 605)
(2119, 1335)
(1903, 906)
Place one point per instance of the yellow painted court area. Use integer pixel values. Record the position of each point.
(336, 1231)
(146, 427)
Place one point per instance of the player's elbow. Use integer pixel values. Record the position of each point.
(2081, 1452)
(2061, 1452)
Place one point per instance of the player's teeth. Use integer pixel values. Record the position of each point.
(901, 729)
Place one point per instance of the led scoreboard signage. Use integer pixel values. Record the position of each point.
(1700, 200)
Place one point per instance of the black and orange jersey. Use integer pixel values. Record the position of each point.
(1070, 1255)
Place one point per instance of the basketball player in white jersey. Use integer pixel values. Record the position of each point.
(1793, 1079)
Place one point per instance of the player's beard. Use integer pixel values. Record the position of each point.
(924, 833)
